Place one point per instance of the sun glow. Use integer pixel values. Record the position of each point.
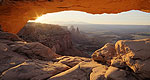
(40, 19)
(133, 17)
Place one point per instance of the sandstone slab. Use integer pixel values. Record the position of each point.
(33, 70)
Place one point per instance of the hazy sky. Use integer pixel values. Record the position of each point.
(131, 17)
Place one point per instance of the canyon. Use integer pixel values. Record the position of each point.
(31, 52)
(28, 57)
(52, 36)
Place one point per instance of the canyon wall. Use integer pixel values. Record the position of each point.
(52, 36)
(14, 14)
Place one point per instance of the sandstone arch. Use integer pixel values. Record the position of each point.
(15, 13)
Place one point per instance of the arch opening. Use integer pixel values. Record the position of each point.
(88, 32)
(14, 14)
(51, 50)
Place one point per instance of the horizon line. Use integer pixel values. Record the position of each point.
(91, 24)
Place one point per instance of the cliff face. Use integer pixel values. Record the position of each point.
(52, 36)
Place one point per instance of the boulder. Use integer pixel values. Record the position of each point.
(105, 54)
(136, 54)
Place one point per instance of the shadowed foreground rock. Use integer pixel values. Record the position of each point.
(33, 70)
(34, 50)
(9, 36)
(20, 60)
(114, 73)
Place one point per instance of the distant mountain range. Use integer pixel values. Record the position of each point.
(68, 22)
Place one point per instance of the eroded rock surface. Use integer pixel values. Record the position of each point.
(129, 55)
(114, 73)
(136, 54)
(71, 61)
(34, 50)
(82, 71)
(9, 58)
(20, 60)
(14, 51)
(9, 36)
(93, 71)
(105, 54)
(33, 70)
(118, 62)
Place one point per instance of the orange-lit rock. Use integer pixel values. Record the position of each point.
(15, 13)
(136, 54)
(105, 54)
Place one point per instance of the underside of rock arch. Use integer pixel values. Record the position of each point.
(15, 13)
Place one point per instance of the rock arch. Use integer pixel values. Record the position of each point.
(15, 13)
